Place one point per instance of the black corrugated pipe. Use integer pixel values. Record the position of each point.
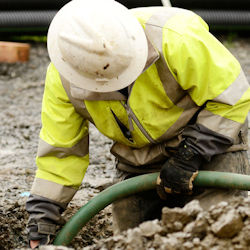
(189, 4)
(212, 4)
(57, 4)
(225, 19)
(32, 4)
(35, 21)
(26, 21)
(35, 18)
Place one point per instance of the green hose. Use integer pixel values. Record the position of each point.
(138, 184)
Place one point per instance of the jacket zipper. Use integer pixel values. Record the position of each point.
(132, 117)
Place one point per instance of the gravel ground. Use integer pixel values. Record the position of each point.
(21, 89)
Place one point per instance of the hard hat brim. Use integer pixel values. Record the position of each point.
(128, 76)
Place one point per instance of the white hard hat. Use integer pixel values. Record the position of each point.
(97, 45)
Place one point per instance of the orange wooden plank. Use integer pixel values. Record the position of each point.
(12, 52)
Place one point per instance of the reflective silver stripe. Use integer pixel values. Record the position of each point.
(153, 31)
(235, 91)
(60, 193)
(190, 108)
(153, 55)
(78, 104)
(219, 124)
(80, 149)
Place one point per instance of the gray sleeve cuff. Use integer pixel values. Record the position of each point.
(205, 141)
(44, 217)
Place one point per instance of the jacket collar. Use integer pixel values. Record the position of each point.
(82, 94)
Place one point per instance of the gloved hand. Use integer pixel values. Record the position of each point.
(179, 171)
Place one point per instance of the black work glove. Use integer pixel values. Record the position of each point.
(179, 171)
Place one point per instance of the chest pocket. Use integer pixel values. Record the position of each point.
(111, 119)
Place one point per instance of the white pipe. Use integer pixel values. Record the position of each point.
(166, 3)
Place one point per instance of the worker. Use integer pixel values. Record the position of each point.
(154, 80)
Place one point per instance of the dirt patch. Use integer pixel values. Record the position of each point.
(12, 230)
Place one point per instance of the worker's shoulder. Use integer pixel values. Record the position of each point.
(177, 20)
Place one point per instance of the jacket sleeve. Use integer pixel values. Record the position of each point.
(62, 157)
(62, 160)
(215, 81)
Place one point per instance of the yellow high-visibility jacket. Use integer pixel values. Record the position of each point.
(188, 73)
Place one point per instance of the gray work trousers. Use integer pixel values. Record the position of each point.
(131, 211)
